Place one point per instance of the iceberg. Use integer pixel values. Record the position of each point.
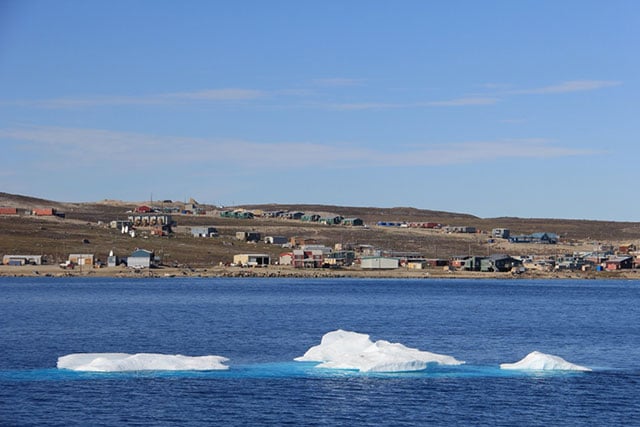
(121, 362)
(355, 351)
(536, 361)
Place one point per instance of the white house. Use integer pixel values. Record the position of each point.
(141, 258)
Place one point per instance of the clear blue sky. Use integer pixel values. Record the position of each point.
(493, 108)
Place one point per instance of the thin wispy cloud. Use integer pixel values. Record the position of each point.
(463, 102)
(567, 87)
(337, 82)
(207, 95)
(121, 150)
(457, 102)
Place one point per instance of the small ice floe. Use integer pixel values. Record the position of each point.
(354, 351)
(122, 362)
(536, 361)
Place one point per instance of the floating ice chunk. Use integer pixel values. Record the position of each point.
(536, 361)
(118, 362)
(354, 351)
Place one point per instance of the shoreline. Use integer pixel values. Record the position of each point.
(289, 272)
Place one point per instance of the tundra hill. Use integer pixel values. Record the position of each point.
(84, 230)
(566, 228)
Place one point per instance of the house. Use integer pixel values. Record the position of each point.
(619, 263)
(379, 263)
(248, 236)
(569, 262)
(286, 258)
(366, 250)
(276, 240)
(387, 224)
(8, 211)
(143, 209)
(473, 263)
(417, 264)
(47, 212)
(81, 259)
(301, 241)
(205, 231)
(623, 249)
(238, 214)
(119, 224)
(331, 220)
(354, 222)
(523, 238)
(192, 208)
(150, 219)
(141, 258)
(545, 238)
(294, 215)
(307, 258)
(243, 215)
(500, 233)
(340, 258)
(161, 230)
(459, 261)
(22, 259)
(437, 262)
(252, 260)
(310, 218)
(459, 229)
(499, 262)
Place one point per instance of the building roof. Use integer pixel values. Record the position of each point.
(139, 253)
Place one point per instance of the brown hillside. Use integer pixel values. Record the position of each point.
(85, 230)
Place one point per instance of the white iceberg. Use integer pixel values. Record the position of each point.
(536, 361)
(354, 351)
(120, 362)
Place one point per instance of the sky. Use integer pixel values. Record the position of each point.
(492, 108)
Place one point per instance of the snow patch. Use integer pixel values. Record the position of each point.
(354, 351)
(536, 361)
(120, 362)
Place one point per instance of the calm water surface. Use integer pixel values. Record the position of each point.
(262, 324)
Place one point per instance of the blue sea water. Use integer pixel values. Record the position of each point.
(262, 324)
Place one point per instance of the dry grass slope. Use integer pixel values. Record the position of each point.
(55, 238)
